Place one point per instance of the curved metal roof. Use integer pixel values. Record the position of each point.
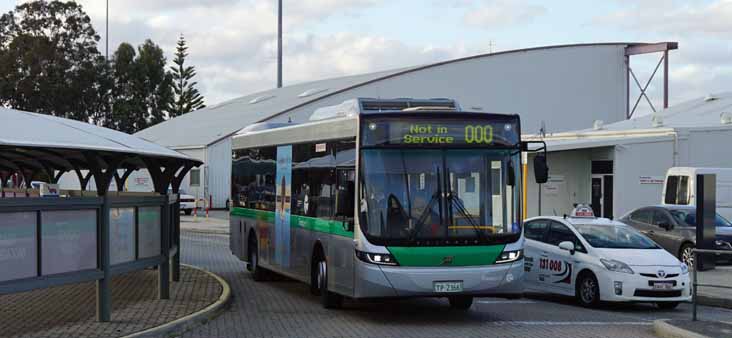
(211, 124)
(31, 130)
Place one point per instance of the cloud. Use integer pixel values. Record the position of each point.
(500, 13)
(675, 17)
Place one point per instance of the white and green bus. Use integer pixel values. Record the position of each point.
(398, 198)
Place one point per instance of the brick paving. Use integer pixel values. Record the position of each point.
(286, 309)
(70, 310)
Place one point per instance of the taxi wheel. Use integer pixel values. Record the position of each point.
(667, 305)
(588, 290)
(461, 302)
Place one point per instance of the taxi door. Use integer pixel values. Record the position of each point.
(560, 266)
(534, 251)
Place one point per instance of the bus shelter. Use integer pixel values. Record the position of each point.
(50, 236)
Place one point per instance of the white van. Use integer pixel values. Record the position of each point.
(680, 187)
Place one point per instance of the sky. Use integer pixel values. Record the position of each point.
(232, 43)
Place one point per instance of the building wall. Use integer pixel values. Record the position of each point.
(567, 88)
(633, 161)
(218, 176)
(569, 183)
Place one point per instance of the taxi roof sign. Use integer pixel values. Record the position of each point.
(582, 211)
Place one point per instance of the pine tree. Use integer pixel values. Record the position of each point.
(187, 97)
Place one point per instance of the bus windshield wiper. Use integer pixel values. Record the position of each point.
(461, 209)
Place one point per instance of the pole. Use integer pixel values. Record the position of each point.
(665, 79)
(539, 204)
(694, 286)
(104, 294)
(106, 35)
(279, 44)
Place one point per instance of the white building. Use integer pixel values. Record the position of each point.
(621, 166)
(561, 87)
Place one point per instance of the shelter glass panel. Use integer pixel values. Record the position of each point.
(149, 232)
(69, 241)
(18, 258)
(122, 235)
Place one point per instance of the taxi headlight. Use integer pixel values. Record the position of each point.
(616, 266)
(510, 256)
(376, 258)
(684, 269)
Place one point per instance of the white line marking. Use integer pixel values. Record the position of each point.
(553, 323)
(506, 302)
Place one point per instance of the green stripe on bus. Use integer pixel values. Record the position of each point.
(296, 221)
(446, 255)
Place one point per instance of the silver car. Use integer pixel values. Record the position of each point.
(673, 227)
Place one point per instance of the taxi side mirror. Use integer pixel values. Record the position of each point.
(567, 245)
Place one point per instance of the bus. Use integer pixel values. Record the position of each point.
(384, 198)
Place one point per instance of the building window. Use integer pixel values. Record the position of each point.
(195, 177)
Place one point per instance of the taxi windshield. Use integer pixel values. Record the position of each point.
(614, 237)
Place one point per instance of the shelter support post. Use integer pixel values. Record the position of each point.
(104, 307)
(164, 267)
(175, 185)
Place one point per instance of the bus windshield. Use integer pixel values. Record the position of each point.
(449, 196)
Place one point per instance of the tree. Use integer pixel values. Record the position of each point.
(49, 62)
(153, 84)
(129, 114)
(187, 97)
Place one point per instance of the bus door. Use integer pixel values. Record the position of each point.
(340, 250)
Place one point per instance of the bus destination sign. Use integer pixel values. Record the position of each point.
(439, 132)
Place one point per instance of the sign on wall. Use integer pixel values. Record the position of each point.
(69, 241)
(122, 235)
(282, 209)
(18, 245)
(651, 179)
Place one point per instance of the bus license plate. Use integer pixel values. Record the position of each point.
(443, 287)
(662, 286)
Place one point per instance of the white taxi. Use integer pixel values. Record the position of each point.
(597, 259)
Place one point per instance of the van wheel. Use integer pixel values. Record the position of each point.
(329, 299)
(686, 255)
(588, 290)
(461, 302)
(259, 274)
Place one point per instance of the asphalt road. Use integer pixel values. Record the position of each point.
(286, 309)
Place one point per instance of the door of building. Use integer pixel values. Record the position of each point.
(602, 188)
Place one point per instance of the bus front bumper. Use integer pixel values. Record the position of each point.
(376, 281)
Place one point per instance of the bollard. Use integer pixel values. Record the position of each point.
(694, 286)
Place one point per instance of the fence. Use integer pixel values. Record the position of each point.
(46, 242)
(696, 283)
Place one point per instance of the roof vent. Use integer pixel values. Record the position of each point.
(598, 124)
(656, 121)
(726, 117)
(260, 99)
(709, 98)
(312, 91)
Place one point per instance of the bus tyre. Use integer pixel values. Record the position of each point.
(329, 299)
(588, 290)
(461, 302)
(667, 305)
(258, 273)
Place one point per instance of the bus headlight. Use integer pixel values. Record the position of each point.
(510, 256)
(376, 258)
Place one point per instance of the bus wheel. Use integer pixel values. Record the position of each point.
(258, 273)
(329, 299)
(461, 302)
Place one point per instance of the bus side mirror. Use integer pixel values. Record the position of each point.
(541, 170)
(511, 175)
